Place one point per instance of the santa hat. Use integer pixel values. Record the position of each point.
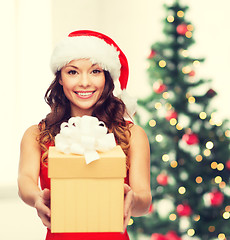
(100, 49)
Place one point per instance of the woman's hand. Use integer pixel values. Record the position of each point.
(128, 204)
(42, 205)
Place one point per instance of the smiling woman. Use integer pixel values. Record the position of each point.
(91, 74)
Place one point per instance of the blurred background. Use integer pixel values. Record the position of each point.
(29, 31)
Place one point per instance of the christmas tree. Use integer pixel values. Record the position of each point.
(190, 164)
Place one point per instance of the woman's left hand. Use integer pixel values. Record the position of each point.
(128, 204)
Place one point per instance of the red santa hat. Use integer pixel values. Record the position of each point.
(100, 49)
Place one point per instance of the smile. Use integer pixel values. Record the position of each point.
(84, 93)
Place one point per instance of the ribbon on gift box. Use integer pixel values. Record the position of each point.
(85, 136)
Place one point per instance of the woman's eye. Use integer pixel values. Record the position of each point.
(72, 72)
(96, 71)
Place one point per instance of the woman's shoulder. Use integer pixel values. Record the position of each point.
(137, 134)
(31, 133)
(136, 129)
(34, 129)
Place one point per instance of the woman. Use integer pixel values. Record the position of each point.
(90, 69)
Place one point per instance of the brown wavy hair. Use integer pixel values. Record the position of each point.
(108, 109)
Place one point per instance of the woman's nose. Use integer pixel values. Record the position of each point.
(84, 80)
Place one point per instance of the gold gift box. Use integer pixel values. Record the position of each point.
(87, 198)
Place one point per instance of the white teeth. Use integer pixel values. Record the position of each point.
(84, 93)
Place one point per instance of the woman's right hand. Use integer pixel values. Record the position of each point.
(42, 205)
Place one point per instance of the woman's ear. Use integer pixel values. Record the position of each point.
(60, 81)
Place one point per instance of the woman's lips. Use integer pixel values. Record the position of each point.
(84, 94)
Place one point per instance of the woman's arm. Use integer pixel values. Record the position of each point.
(139, 172)
(138, 196)
(28, 174)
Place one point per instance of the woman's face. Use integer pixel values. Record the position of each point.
(83, 84)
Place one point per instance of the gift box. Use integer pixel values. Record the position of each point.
(87, 197)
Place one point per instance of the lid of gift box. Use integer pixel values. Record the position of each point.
(111, 164)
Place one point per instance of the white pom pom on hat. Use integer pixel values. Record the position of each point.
(100, 49)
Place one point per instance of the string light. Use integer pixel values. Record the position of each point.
(190, 27)
(190, 232)
(185, 53)
(172, 217)
(199, 180)
(220, 167)
(159, 138)
(222, 185)
(173, 121)
(158, 105)
(211, 122)
(214, 165)
(180, 14)
(165, 157)
(199, 158)
(221, 236)
(130, 222)
(168, 106)
(211, 228)
(186, 69)
(207, 152)
(191, 100)
(227, 208)
(227, 133)
(218, 179)
(182, 190)
(226, 215)
(203, 115)
(165, 95)
(196, 63)
(152, 123)
(170, 19)
(179, 127)
(188, 34)
(196, 218)
(162, 63)
(174, 164)
(209, 145)
(215, 120)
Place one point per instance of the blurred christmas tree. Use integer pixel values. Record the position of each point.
(190, 164)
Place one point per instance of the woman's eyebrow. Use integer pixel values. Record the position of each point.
(72, 66)
(96, 64)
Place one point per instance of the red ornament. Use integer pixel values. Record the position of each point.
(216, 198)
(171, 235)
(152, 54)
(227, 164)
(211, 93)
(182, 29)
(192, 73)
(158, 236)
(184, 210)
(162, 179)
(171, 114)
(159, 87)
(151, 209)
(190, 138)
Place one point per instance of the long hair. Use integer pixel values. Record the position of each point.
(108, 109)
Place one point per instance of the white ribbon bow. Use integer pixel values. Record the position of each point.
(85, 136)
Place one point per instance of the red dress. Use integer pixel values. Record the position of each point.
(45, 183)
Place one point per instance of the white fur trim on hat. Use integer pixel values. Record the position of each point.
(129, 101)
(86, 47)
